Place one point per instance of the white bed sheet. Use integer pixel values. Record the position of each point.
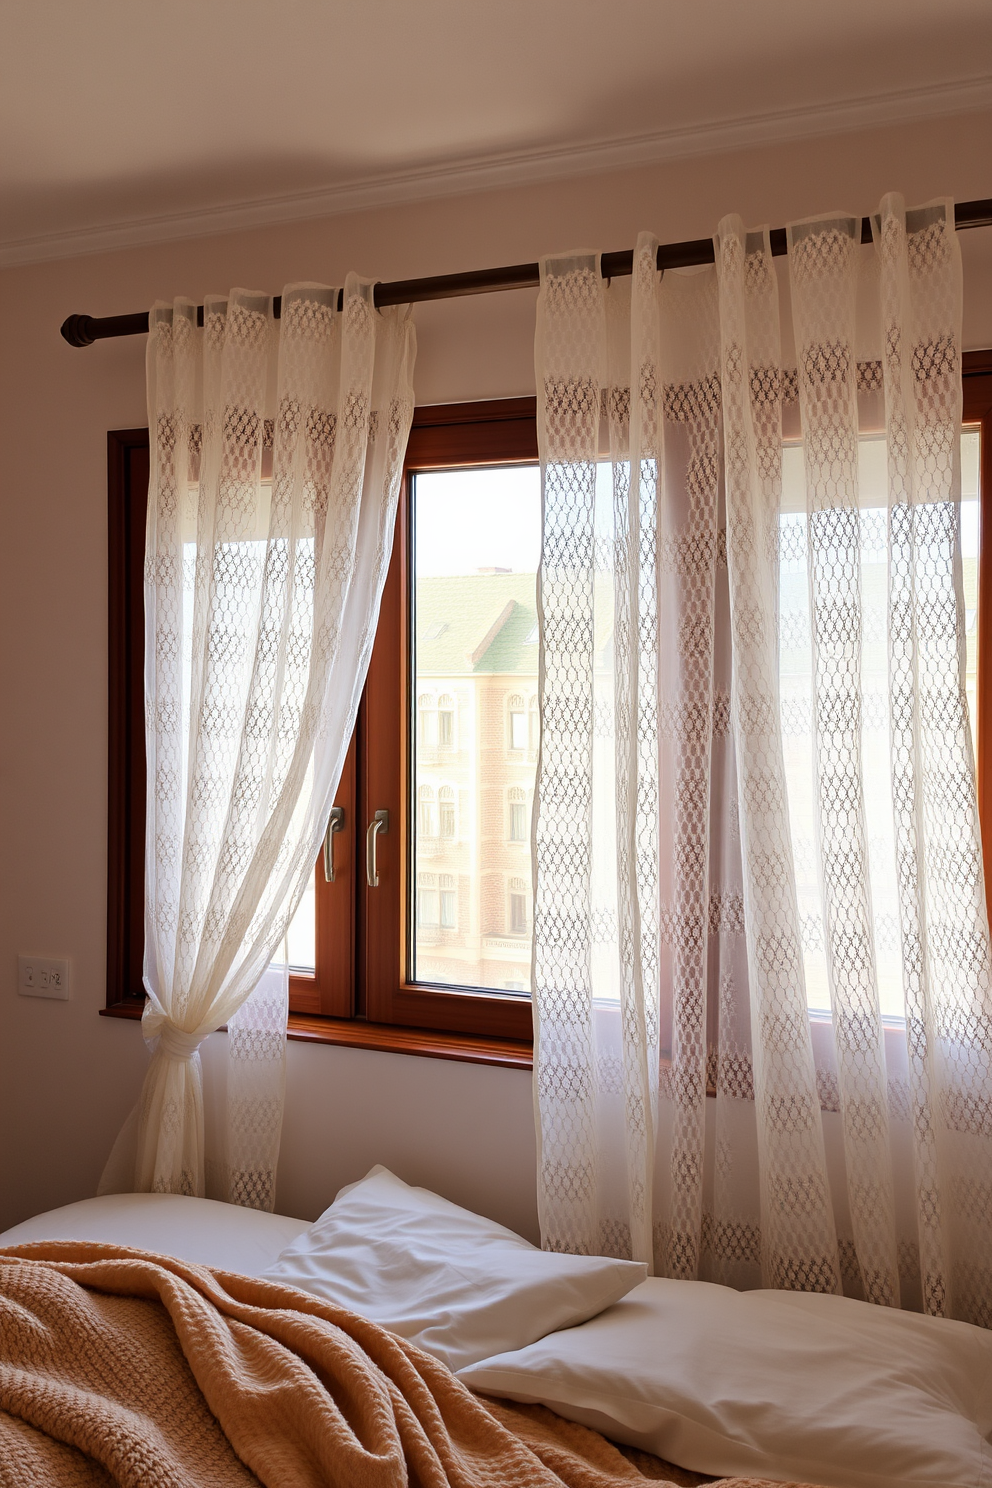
(198, 1230)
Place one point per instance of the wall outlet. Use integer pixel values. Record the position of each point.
(40, 976)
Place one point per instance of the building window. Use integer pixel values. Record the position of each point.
(446, 812)
(426, 812)
(518, 906)
(518, 723)
(427, 902)
(446, 722)
(449, 902)
(426, 721)
(518, 815)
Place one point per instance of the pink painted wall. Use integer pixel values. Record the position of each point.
(68, 1077)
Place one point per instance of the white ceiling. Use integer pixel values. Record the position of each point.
(137, 120)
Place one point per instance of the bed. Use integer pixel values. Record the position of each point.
(260, 1348)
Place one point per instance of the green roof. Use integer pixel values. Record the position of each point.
(484, 622)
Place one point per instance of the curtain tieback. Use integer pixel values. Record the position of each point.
(175, 1043)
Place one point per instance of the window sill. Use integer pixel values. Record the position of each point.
(392, 1038)
(387, 1038)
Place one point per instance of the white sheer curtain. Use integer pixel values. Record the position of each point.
(267, 548)
(756, 790)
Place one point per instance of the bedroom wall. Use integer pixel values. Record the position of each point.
(69, 1077)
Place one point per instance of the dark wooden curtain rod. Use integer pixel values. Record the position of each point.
(83, 330)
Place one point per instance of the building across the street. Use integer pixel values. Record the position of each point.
(476, 753)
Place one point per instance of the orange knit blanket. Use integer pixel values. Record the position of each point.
(119, 1367)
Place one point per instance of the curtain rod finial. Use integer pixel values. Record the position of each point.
(78, 330)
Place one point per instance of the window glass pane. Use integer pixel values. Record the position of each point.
(797, 706)
(970, 466)
(302, 932)
(301, 935)
(476, 545)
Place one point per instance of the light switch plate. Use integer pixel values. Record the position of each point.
(43, 976)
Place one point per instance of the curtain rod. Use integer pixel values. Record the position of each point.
(83, 330)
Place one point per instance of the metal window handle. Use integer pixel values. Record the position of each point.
(335, 823)
(379, 823)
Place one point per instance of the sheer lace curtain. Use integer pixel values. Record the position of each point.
(267, 547)
(763, 983)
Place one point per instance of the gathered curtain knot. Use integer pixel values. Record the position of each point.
(176, 1043)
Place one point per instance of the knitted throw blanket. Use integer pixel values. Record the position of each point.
(119, 1367)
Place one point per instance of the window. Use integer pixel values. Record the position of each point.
(426, 721)
(364, 980)
(446, 812)
(427, 812)
(449, 903)
(978, 414)
(796, 692)
(446, 722)
(518, 906)
(518, 724)
(428, 909)
(518, 815)
(473, 545)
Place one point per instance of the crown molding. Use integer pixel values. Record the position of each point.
(519, 168)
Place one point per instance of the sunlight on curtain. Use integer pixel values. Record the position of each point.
(796, 684)
(261, 601)
(758, 871)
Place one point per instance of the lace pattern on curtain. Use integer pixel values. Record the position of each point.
(679, 907)
(799, 1242)
(947, 967)
(261, 604)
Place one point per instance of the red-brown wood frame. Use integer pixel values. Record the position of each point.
(127, 502)
(443, 437)
(978, 410)
(330, 992)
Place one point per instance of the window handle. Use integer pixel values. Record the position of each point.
(379, 823)
(335, 824)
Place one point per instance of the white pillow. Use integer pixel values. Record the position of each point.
(199, 1230)
(776, 1384)
(455, 1284)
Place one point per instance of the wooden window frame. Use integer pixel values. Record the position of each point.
(329, 992)
(977, 387)
(359, 995)
(451, 436)
(362, 999)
